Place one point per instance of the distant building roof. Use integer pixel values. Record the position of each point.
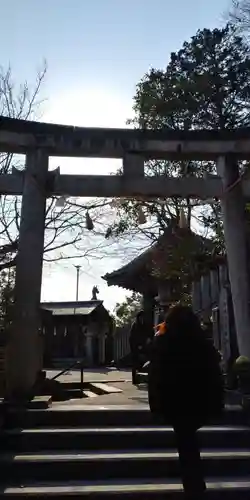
(83, 308)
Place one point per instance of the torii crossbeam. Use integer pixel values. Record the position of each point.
(38, 141)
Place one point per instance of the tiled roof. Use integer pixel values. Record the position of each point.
(83, 308)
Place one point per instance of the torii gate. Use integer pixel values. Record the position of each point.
(38, 141)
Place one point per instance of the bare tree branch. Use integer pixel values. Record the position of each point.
(65, 227)
(239, 16)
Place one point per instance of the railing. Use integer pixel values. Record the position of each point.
(73, 365)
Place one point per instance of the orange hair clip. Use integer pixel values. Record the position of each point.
(160, 329)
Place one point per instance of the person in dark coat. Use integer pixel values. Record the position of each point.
(137, 340)
(185, 388)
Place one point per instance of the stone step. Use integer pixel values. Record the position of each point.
(90, 394)
(113, 465)
(101, 388)
(84, 415)
(218, 489)
(135, 450)
(41, 402)
(90, 438)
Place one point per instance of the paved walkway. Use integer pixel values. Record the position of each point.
(130, 395)
(104, 375)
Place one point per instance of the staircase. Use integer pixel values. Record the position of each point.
(98, 452)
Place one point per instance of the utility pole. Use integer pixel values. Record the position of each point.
(77, 281)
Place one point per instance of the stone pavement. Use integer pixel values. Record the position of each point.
(104, 375)
(130, 395)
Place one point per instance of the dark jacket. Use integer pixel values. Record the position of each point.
(137, 336)
(185, 384)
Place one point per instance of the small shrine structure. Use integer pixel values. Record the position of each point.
(156, 275)
(76, 330)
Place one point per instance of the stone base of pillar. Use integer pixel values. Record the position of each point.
(23, 365)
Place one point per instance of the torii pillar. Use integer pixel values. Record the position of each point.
(24, 356)
(234, 221)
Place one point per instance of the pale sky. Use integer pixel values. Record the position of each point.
(96, 52)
